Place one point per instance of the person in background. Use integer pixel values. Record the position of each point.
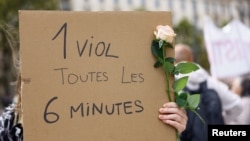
(11, 128)
(236, 85)
(217, 101)
(241, 86)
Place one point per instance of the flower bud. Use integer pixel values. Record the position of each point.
(165, 33)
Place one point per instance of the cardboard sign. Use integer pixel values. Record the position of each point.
(90, 76)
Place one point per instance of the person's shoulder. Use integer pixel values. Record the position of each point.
(246, 99)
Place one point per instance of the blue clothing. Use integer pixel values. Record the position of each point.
(210, 109)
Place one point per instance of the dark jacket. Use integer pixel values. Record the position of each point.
(210, 109)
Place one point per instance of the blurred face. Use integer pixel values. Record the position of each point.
(183, 53)
(236, 87)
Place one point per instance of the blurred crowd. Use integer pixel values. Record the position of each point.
(222, 102)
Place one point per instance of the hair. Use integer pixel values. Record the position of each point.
(17, 100)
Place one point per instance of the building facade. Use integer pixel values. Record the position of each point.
(221, 11)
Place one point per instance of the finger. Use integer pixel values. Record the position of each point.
(178, 111)
(170, 110)
(175, 117)
(180, 127)
(170, 104)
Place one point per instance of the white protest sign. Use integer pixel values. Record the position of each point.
(227, 49)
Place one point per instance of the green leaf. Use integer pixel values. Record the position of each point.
(181, 102)
(170, 59)
(180, 83)
(157, 52)
(181, 99)
(168, 67)
(183, 95)
(193, 101)
(185, 68)
(161, 44)
(158, 64)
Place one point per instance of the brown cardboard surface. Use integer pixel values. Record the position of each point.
(91, 76)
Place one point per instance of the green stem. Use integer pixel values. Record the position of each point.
(168, 84)
(166, 73)
(178, 136)
(197, 114)
(168, 87)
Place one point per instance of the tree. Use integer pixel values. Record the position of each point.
(190, 35)
(9, 40)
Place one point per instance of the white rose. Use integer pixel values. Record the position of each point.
(164, 33)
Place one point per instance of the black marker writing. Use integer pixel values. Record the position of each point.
(100, 48)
